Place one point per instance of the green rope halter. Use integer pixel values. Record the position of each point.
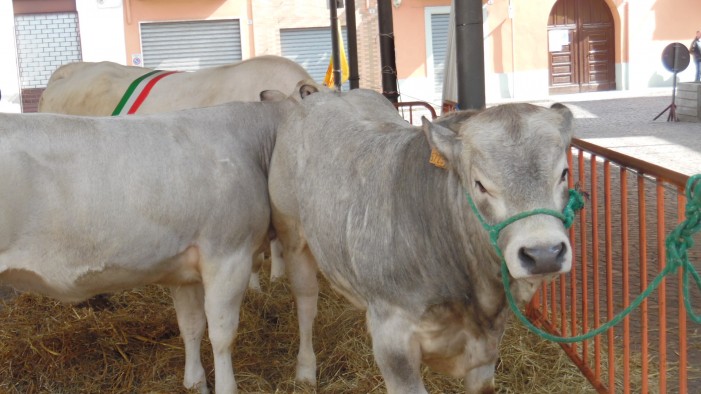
(678, 241)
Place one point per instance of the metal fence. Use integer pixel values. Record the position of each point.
(619, 244)
(412, 111)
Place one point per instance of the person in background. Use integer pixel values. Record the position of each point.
(695, 49)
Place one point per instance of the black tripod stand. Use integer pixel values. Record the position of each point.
(672, 117)
(675, 58)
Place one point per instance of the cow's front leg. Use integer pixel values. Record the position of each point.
(225, 281)
(396, 350)
(480, 380)
(189, 310)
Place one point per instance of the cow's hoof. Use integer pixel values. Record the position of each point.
(200, 388)
(254, 282)
(275, 276)
(306, 375)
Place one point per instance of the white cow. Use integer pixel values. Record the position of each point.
(98, 204)
(354, 195)
(85, 88)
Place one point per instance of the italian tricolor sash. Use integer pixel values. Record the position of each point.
(138, 91)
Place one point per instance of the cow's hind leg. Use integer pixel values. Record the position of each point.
(397, 353)
(189, 309)
(254, 281)
(301, 271)
(277, 264)
(225, 281)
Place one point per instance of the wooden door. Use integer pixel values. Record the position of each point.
(581, 46)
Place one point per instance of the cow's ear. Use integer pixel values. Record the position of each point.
(307, 89)
(441, 139)
(567, 120)
(272, 95)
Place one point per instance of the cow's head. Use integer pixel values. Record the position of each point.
(303, 89)
(512, 159)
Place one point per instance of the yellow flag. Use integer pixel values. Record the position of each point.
(345, 72)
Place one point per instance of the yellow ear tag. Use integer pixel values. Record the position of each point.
(437, 159)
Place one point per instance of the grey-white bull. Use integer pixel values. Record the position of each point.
(353, 194)
(92, 205)
(86, 88)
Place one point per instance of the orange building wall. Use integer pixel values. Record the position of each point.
(674, 21)
(512, 45)
(410, 36)
(498, 50)
(261, 22)
(526, 32)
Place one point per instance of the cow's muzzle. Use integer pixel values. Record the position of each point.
(546, 259)
(536, 259)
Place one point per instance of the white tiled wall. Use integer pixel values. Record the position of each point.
(45, 42)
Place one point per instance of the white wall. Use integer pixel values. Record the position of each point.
(45, 42)
(101, 30)
(9, 78)
(645, 62)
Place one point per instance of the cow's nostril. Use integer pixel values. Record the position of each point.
(543, 259)
(527, 260)
(561, 249)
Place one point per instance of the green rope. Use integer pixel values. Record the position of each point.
(678, 241)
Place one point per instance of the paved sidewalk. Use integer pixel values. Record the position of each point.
(623, 121)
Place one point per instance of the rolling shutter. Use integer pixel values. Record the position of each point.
(190, 45)
(439, 40)
(311, 48)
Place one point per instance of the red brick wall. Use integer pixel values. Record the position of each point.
(30, 99)
(42, 6)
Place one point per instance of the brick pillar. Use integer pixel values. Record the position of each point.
(30, 99)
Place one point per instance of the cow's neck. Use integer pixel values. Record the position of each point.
(474, 279)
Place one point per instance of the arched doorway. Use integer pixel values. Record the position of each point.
(581, 47)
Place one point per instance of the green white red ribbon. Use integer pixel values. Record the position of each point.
(138, 91)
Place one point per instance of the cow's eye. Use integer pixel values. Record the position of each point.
(480, 187)
(565, 172)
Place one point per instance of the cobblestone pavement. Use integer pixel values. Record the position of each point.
(623, 121)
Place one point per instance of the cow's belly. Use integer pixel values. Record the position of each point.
(344, 287)
(71, 284)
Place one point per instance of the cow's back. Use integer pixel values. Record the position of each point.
(241, 81)
(96, 88)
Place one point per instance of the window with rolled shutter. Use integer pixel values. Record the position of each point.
(190, 45)
(439, 44)
(311, 48)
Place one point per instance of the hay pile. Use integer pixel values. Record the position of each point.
(129, 343)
